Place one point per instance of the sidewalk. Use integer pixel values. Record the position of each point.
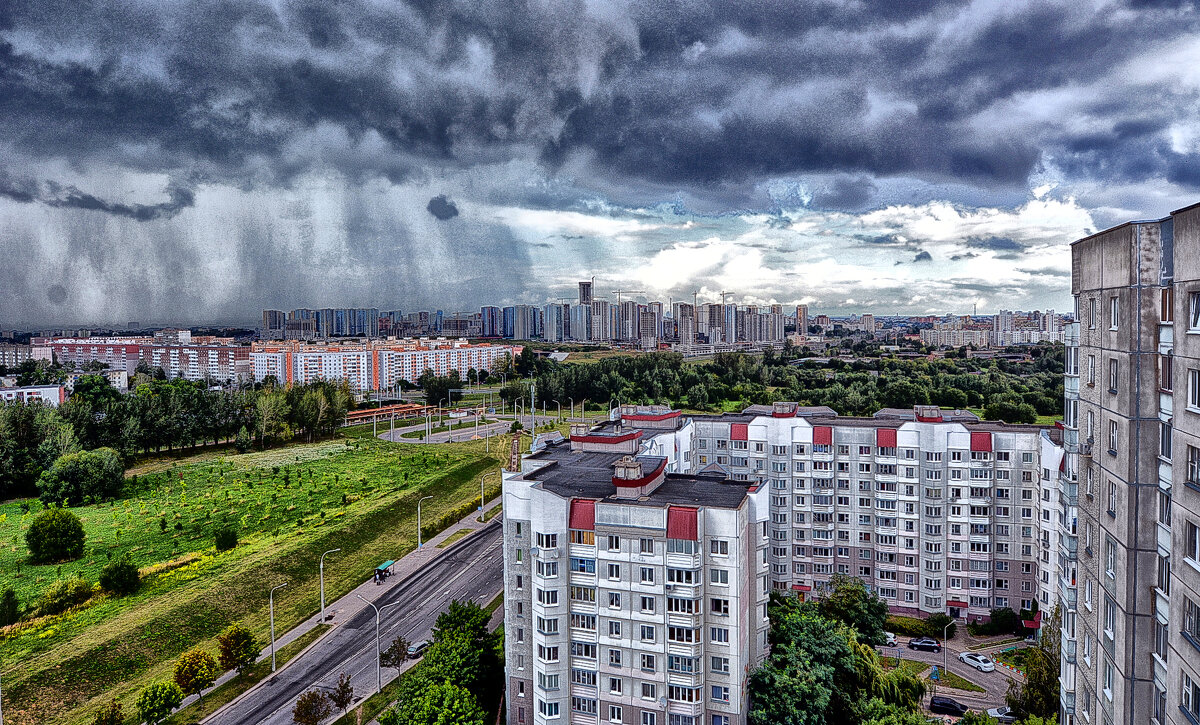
(349, 605)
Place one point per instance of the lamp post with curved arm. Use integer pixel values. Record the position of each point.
(378, 672)
(322, 572)
(271, 598)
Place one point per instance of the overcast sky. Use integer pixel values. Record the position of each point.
(195, 162)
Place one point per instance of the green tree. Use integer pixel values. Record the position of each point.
(977, 718)
(64, 594)
(158, 700)
(109, 714)
(311, 708)
(83, 476)
(878, 712)
(225, 538)
(55, 535)
(10, 607)
(243, 441)
(396, 654)
(195, 670)
(1010, 411)
(1038, 694)
(852, 604)
(120, 576)
(343, 694)
(237, 648)
(441, 703)
(935, 626)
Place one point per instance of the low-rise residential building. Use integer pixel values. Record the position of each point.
(50, 394)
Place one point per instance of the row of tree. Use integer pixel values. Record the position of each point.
(158, 414)
(1006, 391)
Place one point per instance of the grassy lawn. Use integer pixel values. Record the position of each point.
(913, 667)
(254, 674)
(453, 538)
(951, 679)
(289, 505)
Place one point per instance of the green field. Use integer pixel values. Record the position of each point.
(289, 505)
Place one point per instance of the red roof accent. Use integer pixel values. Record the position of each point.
(681, 523)
(1035, 623)
(739, 432)
(885, 437)
(639, 482)
(956, 603)
(652, 416)
(981, 442)
(930, 418)
(583, 514)
(822, 435)
(608, 439)
(802, 587)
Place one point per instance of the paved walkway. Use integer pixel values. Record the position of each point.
(994, 683)
(347, 606)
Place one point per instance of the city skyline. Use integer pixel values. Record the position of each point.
(910, 159)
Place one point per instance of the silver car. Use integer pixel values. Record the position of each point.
(1003, 715)
(983, 663)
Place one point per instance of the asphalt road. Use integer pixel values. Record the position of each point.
(995, 683)
(472, 570)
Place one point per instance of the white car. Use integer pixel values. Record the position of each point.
(1002, 715)
(983, 663)
(889, 640)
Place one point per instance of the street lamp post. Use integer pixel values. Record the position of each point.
(419, 520)
(271, 598)
(378, 658)
(572, 407)
(321, 568)
(945, 649)
(481, 493)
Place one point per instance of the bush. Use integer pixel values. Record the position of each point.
(936, 624)
(110, 714)
(243, 441)
(120, 577)
(1002, 621)
(238, 648)
(64, 594)
(83, 476)
(225, 538)
(55, 535)
(916, 627)
(10, 607)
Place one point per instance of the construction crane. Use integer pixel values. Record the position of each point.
(620, 314)
(629, 292)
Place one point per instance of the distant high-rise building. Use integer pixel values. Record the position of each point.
(554, 324)
(601, 322)
(581, 322)
(802, 319)
(585, 293)
(273, 322)
(489, 321)
(524, 322)
(685, 322)
(508, 317)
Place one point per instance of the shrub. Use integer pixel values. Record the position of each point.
(120, 577)
(225, 538)
(84, 475)
(1002, 621)
(109, 715)
(936, 623)
(10, 607)
(158, 700)
(55, 535)
(64, 594)
(312, 708)
(916, 627)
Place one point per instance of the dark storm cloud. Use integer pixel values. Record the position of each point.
(69, 197)
(923, 256)
(442, 208)
(996, 244)
(708, 97)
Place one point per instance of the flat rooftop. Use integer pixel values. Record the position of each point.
(588, 474)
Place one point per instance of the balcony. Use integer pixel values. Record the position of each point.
(545, 553)
(1068, 546)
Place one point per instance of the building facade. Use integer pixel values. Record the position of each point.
(1131, 629)
(634, 594)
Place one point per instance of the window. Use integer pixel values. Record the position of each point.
(585, 705)
(1194, 389)
(647, 604)
(1092, 314)
(649, 691)
(547, 597)
(719, 635)
(1113, 374)
(1194, 311)
(647, 575)
(1192, 550)
(1114, 318)
(1112, 497)
(614, 600)
(1166, 371)
(1109, 676)
(614, 685)
(719, 547)
(614, 543)
(1112, 437)
(1166, 306)
(614, 629)
(648, 663)
(547, 541)
(649, 718)
(1191, 619)
(720, 607)
(646, 546)
(548, 709)
(1190, 699)
(718, 576)
(1091, 370)
(647, 633)
(720, 693)
(614, 657)
(1193, 465)
(614, 571)
(720, 665)
(1110, 557)
(547, 569)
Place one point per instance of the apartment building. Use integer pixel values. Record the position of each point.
(1131, 632)
(375, 364)
(634, 593)
(935, 510)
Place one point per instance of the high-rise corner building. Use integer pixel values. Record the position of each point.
(1130, 557)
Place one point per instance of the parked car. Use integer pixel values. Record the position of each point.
(927, 644)
(947, 706)
(1003, 715)
(889, 639)
(416, 649)
(983, 663)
